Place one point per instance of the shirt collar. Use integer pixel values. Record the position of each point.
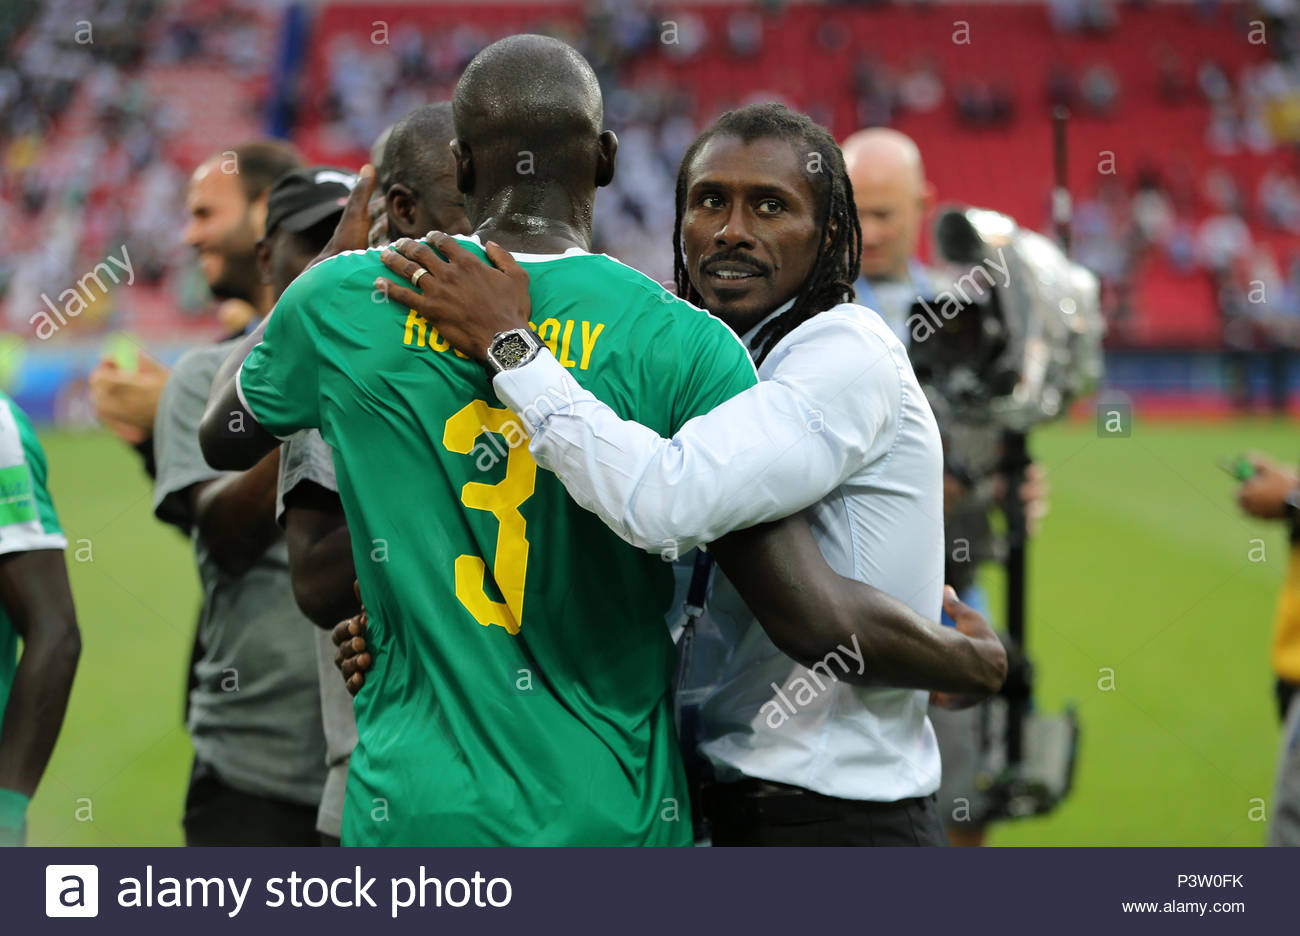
(917, 277)
(748, 337)
(530, 257)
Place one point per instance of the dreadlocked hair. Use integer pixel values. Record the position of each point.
(839, 255)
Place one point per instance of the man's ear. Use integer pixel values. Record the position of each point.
(257, 214)
(607, 150)
(264, 259)
(464, 166)
(400, 203)
(831, 230)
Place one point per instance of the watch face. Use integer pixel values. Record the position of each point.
(510, 350)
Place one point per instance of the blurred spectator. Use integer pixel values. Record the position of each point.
(1278, 200)
(745, 34)
(1099, 16)
(1221, 192)
(832, 36)
(874, 92)
(1221, 132)
(1066, 15)
(1071, 16)
(1171, 83)
(1153, 213)
(921, 88)
(1060, 85)
(1181, 246)
(1213, 82)
(982, 104)
(1222, 241)
(1100, 89)
(691, 35)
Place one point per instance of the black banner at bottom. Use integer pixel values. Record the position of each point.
(665, 891)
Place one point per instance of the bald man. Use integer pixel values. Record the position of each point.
(893, 198)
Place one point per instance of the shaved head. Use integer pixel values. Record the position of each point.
(377, 147)
(528, 83)
(417, 149)
(881, 151)
(417, 174)
(892, 196)
(528, 113)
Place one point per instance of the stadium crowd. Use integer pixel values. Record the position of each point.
(92, 143)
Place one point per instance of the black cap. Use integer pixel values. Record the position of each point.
(305, 197)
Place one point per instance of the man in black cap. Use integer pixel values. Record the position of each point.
(255, 711)
(302, 212)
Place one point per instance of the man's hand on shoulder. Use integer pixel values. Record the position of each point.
(468, 301)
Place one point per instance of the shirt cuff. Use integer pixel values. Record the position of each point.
(538, 390)
(31, 542)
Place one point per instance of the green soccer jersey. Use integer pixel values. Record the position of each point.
(520, 690)
(27, 519)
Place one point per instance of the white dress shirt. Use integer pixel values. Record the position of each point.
(837, 425)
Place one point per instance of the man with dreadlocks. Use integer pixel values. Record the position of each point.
(767, 239)
(505, 707)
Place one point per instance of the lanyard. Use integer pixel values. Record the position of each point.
(694, 608)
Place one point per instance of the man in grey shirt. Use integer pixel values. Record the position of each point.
(255, 720)
(256, 711)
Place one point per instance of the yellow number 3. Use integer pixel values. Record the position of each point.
(503, 499)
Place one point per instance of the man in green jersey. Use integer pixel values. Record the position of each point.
(520, 689)
(36, 606)
(525, 702)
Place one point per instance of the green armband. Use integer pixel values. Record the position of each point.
(13, 817)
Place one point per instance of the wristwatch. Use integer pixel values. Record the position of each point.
(511, 349)
(1291, 507)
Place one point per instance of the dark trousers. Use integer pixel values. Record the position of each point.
(218, 814)
(1285, 691)
(759, 812)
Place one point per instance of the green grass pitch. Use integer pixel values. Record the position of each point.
(1143, 568)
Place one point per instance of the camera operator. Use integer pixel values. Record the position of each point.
(893, 199)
